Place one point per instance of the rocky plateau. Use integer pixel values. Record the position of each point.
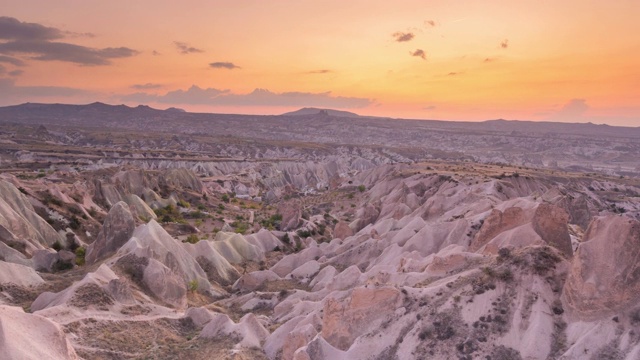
(314, 236)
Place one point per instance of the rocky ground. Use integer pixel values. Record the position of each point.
(356, 256)
(428, 260)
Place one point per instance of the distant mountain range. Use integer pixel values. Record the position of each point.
(122, 116)
(317, 111)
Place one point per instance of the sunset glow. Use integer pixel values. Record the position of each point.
(572, 60)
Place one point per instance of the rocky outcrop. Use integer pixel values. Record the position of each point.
(19, 275)
(605, 273)
(139, 209)
(248, 332)
(117, 229)
(550, 222)
(20, 225)
(345, 320)
(291, 212)
(365, 216)
(181, 178)
(342, 230)
(28, 336)
(496, 223)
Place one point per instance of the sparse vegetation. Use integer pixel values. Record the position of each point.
(193, 285)
(192, 239)
(80, 255)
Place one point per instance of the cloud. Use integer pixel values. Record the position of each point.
(146, 86)
(15, 73)
(259, 97)
(402, 36)
(19, 93)
(504, 44)
(14, 29)
(59, 51)
(37, 42)
(453, 73)
(419, 53)
(321, 71)
(224, 65)
(193, 96)
(430, 107)
(11, 60)
(430, 23)
(155, 53)
(489, 60)
(572, 110)
(78, 34)
(185, 48)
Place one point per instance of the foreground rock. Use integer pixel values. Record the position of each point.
(605, 275)
(117, 230)
(27, 336)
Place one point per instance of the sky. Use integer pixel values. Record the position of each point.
(569, 60)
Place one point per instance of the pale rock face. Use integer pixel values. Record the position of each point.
(365, 216)
(151, 241)
(163, 283)
(291, 213)
(342, 230)
(28, 336)
(496, 223)
(139, 208)
(14, 256)
(249, 330)
(255, 280)
(18, 274)
(345, 320)
(19, 221)
(182, 178)
(550, 222)
(605, 272)
(117, 230)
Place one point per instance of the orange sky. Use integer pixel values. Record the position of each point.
(570, 60)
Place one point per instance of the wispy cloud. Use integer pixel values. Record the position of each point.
(15, 93)
(14, 29)
(403, 36)
(429, 107)
(36, 42)
(419, 53)
(59, 51)
(11, 60)
(193, 96)
(185, 48)
(259, 97)
(504, 44)
(147, 86)
(224, 65)
(573, 109)
(430, 23)
(321, 71)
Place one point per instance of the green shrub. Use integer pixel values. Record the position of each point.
(80, 255)
(362, 188)
(193, 285)
(192, 239)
